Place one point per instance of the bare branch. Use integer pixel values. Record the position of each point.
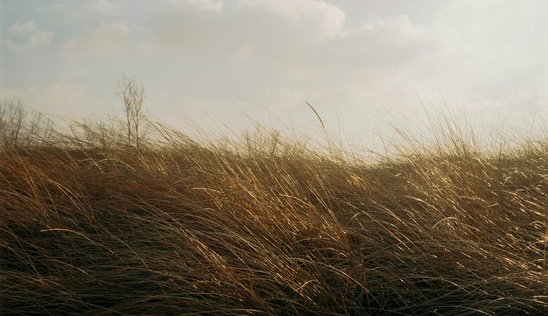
(132, 97)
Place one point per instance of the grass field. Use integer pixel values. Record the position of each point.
(91, 224)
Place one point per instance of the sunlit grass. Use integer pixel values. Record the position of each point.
(263, 224)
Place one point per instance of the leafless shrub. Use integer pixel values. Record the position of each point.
(132, 97)
(18, 128)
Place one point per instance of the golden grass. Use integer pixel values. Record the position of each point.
(265, 226)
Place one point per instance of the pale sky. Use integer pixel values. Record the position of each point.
(237, 62)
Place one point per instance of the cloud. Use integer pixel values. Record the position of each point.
(276, 54)
(69, 98)
(60, 99)
(267, 26)
(214, 5)
(348, 59)
(105, 7)
(317, 19)
(398, 29)
(389, 42)
(488, 52)
(27, 27)
(27, 35)
(106, 39)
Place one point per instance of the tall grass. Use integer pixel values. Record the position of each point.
(263, 225)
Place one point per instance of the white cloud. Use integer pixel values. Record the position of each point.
(60, 99)
(398, 29)
(26, 27)
(265, 27)
(70, 98)
(214, 5)
(107, 39)
(105, 7)
(319, 19)
(27, 35)
(489, 51)
(347, 58)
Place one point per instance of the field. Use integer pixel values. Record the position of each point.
(100, 219)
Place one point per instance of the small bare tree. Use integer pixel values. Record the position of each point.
(18, 128)
(12, 119)
(132, 96)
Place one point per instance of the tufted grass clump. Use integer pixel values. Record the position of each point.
(263, 225)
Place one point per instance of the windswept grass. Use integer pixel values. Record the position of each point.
(265, 226)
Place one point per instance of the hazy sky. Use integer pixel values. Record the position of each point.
(360, 63)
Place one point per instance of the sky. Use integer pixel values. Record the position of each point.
(232, 64)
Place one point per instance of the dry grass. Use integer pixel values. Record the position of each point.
(264, 226)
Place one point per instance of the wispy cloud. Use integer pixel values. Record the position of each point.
(349, 59)
(214, 5)
(105, 7)
(27, 35)
(106, 39)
